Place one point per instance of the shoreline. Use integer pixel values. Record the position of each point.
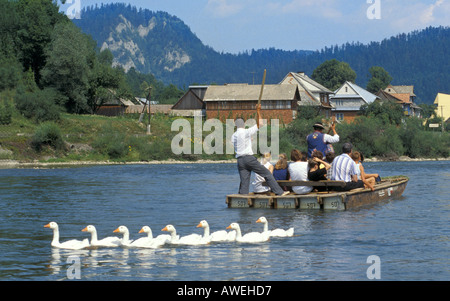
(36, 164)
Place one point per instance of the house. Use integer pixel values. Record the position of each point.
(115, 106)
(233, 101)
(311, 92)
(191, 103)
(442, 103)
(402, 95)
(348, 99)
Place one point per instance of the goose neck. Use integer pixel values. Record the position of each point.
(126, 236)
(94, 236)
(238, 232)
(206, 233)
(266, 227)
(55, 236)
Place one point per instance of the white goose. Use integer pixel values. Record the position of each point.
(110, 241)
(70, 244)
(251, 237)
(192, 239)
(217, 236)
(125, 240)
(276, 232)
(148, 241)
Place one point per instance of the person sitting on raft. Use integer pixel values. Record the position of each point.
(345, 169)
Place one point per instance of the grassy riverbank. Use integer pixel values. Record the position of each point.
(92, 139)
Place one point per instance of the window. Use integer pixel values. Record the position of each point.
(339, 116)
(339, 102)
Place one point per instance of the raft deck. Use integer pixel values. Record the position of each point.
(328, 200)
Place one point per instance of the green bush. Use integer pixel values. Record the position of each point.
(38, 105)
(47, 134)
(5, 113)
(158, 149)
(111, 142)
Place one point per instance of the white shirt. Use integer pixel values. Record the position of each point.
(330, 139)
(343, 168)
(257, 183)
(242, 141)
(299, 172)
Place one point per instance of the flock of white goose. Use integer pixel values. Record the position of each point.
(149, 241)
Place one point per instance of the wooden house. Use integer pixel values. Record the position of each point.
(402, 95)
(191, 103)
(311, 92)
(233, 101)
(116, 106)
(348, 99)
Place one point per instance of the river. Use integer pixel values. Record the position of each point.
(409, 236)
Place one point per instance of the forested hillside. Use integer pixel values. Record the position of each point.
(162, 44)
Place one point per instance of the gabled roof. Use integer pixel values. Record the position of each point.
(385, 95)
(308, 88)
(245, 92)
(189, 93)
(115, 101)
(400, 90)
(307, 83)
(359, 92)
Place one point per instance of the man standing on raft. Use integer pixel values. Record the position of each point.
(320, 141)
(246, 162)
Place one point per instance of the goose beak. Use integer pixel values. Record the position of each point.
(142, 230)
(259, 220)
(47, 226)
(164, 229)
(84, 230)
(117, 230)
(199, 225)
(229, 227)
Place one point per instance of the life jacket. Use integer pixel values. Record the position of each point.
(316, 142)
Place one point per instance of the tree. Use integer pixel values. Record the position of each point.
(380, 79)
(67, 68)
(387, 111)
(333, 73)
(104, 81)
(36, 21)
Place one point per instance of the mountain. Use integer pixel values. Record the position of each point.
(162, 44)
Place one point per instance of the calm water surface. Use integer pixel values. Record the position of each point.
(410, 235)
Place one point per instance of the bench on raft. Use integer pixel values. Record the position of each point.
(324, 183)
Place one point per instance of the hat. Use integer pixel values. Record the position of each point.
(318, 125)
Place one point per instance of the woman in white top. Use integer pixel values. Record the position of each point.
(298, 171)
(257, 183)
(369, 180)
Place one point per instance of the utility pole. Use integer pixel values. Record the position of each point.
(253, 72)
(149, 111)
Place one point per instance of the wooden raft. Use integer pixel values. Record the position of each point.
(328, 200)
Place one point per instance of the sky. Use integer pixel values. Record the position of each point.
(235, 26)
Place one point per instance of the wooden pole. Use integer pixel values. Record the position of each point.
(262, 87)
